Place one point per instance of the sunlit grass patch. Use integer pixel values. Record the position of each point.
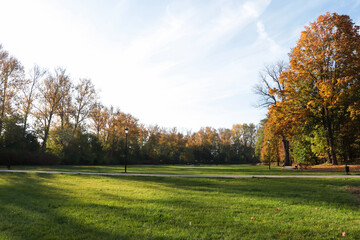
(49, 206)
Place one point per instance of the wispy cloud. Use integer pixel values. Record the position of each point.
(175, 63)
(273, 46)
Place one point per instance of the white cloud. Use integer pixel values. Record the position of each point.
(274, 47)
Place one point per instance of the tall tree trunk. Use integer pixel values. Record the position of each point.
(46, 135)
(77, 118)
(62, 120)
(328, 155)
(1, 124)
(25, 124)
(28, 106)
(330, 136)
(286, 151)
(43, 146)
(332, 148)
(3, 102)
(97, 131)
(26, 117)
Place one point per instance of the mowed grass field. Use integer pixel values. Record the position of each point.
(57, 206)
(240, 169)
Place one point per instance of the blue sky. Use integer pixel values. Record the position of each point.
(183, 63)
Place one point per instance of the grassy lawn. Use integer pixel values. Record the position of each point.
(180, 169)
(55, 206)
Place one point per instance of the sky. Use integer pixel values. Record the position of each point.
(176, 63)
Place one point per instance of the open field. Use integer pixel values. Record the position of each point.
(242, 169)
(53, 206)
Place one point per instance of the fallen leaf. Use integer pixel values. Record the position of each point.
(252, 219)
(280, 234)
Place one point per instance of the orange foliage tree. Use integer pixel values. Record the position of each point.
(323, 79)
(271, 90)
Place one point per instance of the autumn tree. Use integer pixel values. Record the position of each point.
(29, 92)
(151, 143)
(99, 117)
(270, 89)
(113, 135)
(11, 78)
(84, 101)
(172, 144)
(272, 144)
(249, 135)
(65, 107)
(52, 92)
(324, 73)
(238, 140)
(225, 145)
(206, 144)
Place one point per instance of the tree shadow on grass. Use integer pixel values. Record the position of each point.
(330, 192)
(31, 208)
(181, 202)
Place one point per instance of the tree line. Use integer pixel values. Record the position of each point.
(313, 100)
(47, 118)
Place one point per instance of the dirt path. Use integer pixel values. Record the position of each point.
(182, 175)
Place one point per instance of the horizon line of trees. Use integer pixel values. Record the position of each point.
(313, 100)
(47, 118)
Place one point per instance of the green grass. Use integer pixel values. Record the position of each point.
(180, 169)
(55, 206)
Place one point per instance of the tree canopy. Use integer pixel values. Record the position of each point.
(319, 111)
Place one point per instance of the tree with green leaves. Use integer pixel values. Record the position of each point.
(324, 73)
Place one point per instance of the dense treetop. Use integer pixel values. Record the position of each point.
(318, 109)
